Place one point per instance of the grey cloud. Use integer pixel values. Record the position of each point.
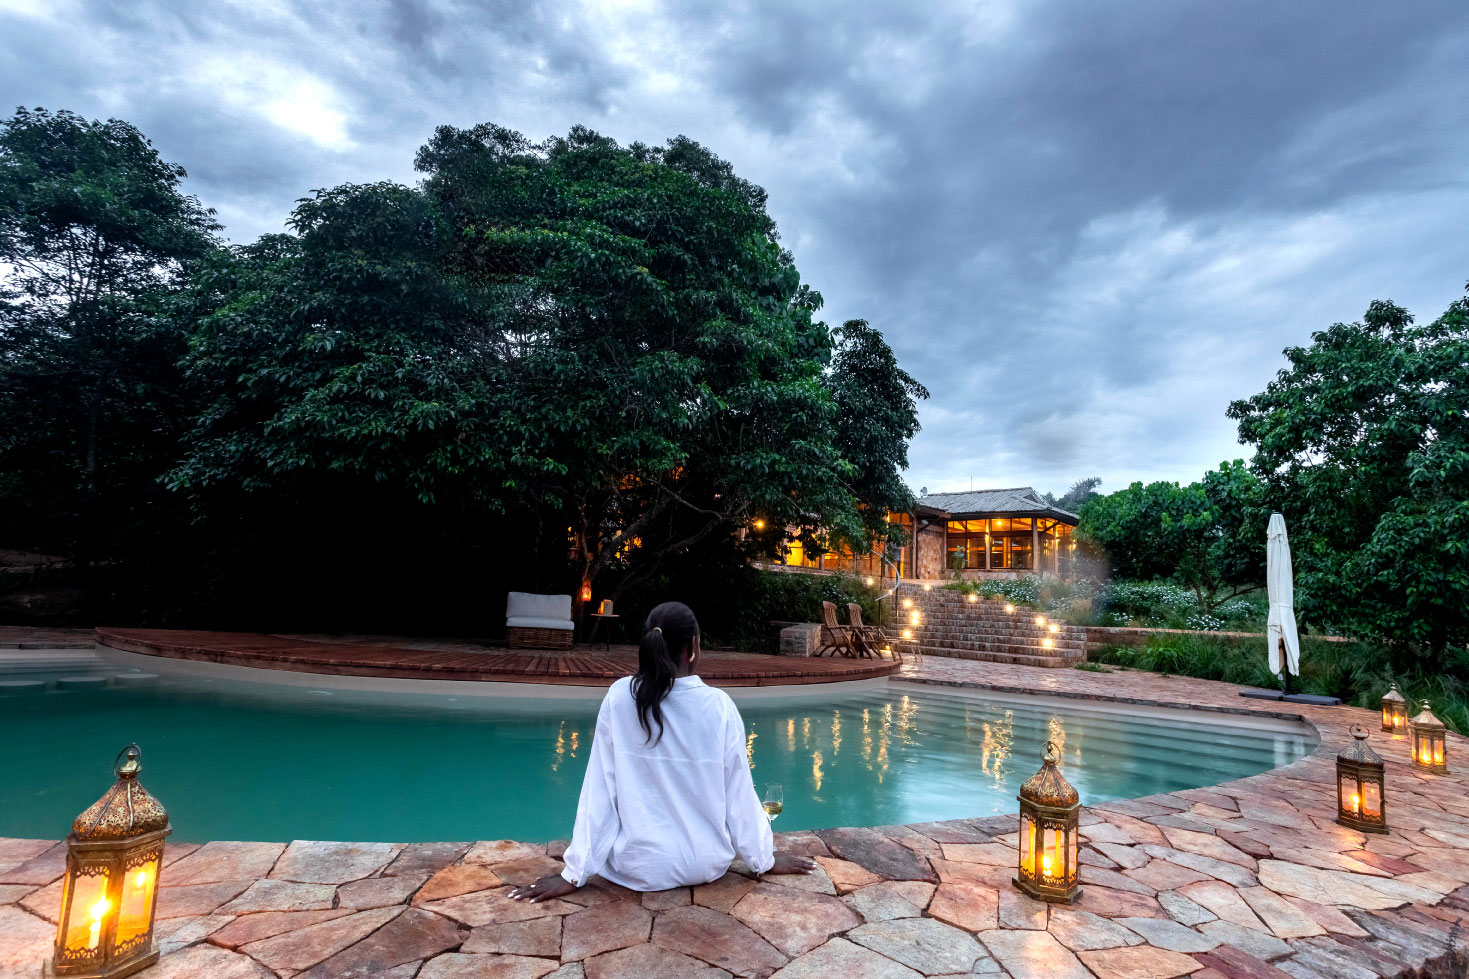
(1086, 227)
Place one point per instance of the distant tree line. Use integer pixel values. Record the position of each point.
(546, 363)
(1362, 442)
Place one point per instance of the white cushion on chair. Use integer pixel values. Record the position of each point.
(524, 605)
(532, 622)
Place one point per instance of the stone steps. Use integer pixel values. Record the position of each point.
(1023, 656)
(951, 625)
(987, 642)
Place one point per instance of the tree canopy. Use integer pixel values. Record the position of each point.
(1208, 536)
(604, 344)
(95, 234)
(1363, 444)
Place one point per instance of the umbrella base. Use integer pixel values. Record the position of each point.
(1315, 700)
(1262, 694)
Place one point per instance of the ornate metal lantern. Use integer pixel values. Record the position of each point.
(113, 856)
(1361, 801)
(1429, 742)
(1394, 710)
(1049, 811)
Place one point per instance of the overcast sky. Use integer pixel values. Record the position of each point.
(1085, 226)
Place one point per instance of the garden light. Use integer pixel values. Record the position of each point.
(1360, 797)
(869, 582)
(1040, 620)
(1047, 643)
(1394, 710)
(1054, 627)
(928, 588)
(1009, 608)
(974, 598)
(1429, 742)
(1049, 811)
(110, 892)
(759, 524)
(586, 591)
(907, 603)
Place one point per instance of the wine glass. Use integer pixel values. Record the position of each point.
(773, 803)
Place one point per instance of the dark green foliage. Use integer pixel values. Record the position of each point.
(876, 415)
(550, 363)
(1357, 672)
(1364, 445)
(735, 603)
(1208, 536)
(97, 234)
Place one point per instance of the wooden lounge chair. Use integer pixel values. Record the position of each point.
(866, 639)
(840, 640)
(875, 639)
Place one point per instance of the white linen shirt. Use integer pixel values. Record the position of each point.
(671, 813)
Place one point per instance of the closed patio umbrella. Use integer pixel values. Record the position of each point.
(1280, 628)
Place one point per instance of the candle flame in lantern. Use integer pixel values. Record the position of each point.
(98, 911)
(1046, 866)
(1356, 802)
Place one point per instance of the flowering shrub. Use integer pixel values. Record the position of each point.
(1204, 622)
(1159, 604)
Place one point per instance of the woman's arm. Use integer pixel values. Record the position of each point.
(749, 830)
(597, 822)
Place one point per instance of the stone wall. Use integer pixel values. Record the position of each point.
(931, 542)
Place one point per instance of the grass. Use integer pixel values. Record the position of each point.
(1357, 672)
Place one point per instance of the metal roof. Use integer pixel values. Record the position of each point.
(975, 503)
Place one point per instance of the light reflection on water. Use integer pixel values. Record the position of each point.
(233, 761)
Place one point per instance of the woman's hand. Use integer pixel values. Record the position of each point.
(544, 889)
(790, 863)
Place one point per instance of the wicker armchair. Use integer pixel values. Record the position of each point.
(538, 621)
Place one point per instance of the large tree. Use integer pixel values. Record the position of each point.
(1364, 444)
(95, 231)
(1208, 536)
(605, 344)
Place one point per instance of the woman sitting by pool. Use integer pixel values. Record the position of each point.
(667, 800)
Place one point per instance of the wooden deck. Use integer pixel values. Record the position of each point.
(455, 660)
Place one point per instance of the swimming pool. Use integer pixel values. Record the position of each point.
(249, 761)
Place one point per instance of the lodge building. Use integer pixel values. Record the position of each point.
(979, 533)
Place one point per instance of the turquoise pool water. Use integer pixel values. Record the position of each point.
(240, 761)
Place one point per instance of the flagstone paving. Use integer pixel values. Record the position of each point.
(1251, 879)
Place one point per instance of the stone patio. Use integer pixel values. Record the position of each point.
(1251, 879)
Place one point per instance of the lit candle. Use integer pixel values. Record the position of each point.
(1356, 803)
(1046, 865)
(99, 910)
